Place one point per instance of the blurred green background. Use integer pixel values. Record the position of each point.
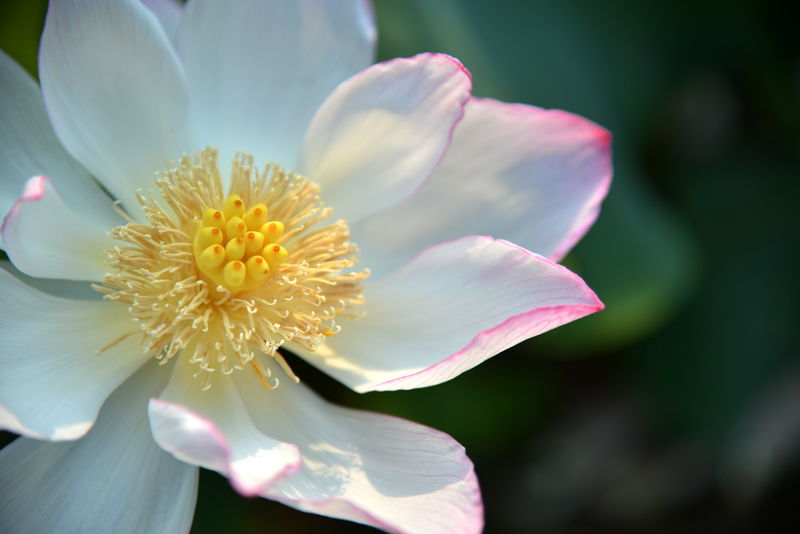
(678, 408)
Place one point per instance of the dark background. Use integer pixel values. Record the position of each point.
(678, 408)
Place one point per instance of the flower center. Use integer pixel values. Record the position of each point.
(229, 245)
(216, 277)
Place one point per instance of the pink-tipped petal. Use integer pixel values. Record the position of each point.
(450, 308)
(531, 176)
(258, 70)
(52, 381)
(28, 147)
(44, 238)
(114, 91)
(381, 133)
(113, 480)
(365, 467)
(212, 429)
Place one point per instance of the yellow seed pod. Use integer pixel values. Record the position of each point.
(234, 273)
(235, 248)
(257, 268)
(233, 207)
(253, 242)
(209, 236)
(256, 216)
(213, 256)
(235, 228)
(213, 218)
(275, 255)
(272, 231)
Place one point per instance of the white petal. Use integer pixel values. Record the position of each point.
(28, 147)
(366, 467)
(52, 383)
(453, 306)
(114, 90)
(114, 480)
(44, 238)
(68, 289)
(212, 429)
(531, 176)
(379, 135)
(168, 13)
(258, 70)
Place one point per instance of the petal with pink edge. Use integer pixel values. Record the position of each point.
(213, 430)
(113, 480)
(258, 70)
(365, 467)
(531, 176)
(28, 147)
(44, 238)
(450, 308)
(381, 133)
(52, 380)
(115, 92)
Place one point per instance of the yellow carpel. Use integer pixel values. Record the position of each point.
(235, 228)
(257, 268)
(229, 250)
(275, 255)
(233, 207)
(234, 274)
(212, 257)
(256, 216)
(209, 236)
(254, 242)
(213, 218)
(272, 231)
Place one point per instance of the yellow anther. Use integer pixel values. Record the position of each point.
(235, 248)
(257, 268)
(213, 256)
(272, 231)
(254, 242)
(234, 207)
(209, 236)
(275, 255)
(235, 228)
(213, 218)
(234, 273)
(256, 216)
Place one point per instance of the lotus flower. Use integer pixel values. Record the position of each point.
(152, 294)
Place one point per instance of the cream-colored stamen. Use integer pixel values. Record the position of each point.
(217, 276)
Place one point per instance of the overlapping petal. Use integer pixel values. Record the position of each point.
(450, 308)
(52, 381)
(366, 467)
(69, 289)
(44, 238)
(168, 13)
(531, 176)
(115, 92)
(115, 479)
(379, 135)
(258, 70)
(212, 429)
(28, 147)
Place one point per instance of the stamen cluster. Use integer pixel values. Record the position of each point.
(183, 301)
